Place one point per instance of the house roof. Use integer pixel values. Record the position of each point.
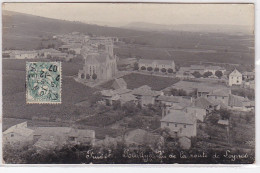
(169, 99)
(236, 101)
(145, 91)
(239, 101)
(180, 117)
(214, 68)
(51, 130)
(20, 129)
(220, 92)
(120, 82)
(139, 136)
(127, 97)
(223, 122)
(110, 93)
(246, 73)
(235, 73)
(202, 102)
(150, 61)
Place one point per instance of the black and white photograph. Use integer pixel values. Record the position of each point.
(128, 83)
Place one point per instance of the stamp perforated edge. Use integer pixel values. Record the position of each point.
(26, 77)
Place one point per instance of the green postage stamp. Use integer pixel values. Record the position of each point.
(43, 82)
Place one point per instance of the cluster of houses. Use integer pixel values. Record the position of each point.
(46, 138)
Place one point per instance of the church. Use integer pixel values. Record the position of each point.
(100, 61)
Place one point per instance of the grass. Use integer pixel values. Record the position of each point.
(136, 80)
(14, 103)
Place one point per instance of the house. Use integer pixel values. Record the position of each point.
(168, 101)
(204, 103)
(248, 75)
(157, 65)
(146, 95)
(200, 113)
(223, 122)
(47, 52)
(240, 103)
(49, 137)
(142, 137)
(180, 123)
(18, 134)
(119, 83)
(109, 96)
(23, 54)
(213, 69)
(128, 97)
(235, 78)
(219, 96)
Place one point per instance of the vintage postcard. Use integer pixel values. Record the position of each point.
(128, 83)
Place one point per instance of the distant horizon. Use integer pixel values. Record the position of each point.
(120, 15)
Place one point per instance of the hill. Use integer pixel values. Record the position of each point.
(23, 31)
(226, 29)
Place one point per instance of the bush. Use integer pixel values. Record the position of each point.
(136, 67)
(170, 70)
(219, 74)
(94, 76)
(196, 74)
(207, 74)
(163, 70)
(156, 69)
(178, 92)
(149, 68)
(143, 68)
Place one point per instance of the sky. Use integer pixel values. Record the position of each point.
(116, 14)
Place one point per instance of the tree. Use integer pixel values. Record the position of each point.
(87, 76)
(224, 114)
(170, 70)
(143, 68)
(95, 98)
(219, 74)
(94, 76)
(207, 74)
(163, 70)
(116, 105)
(149, 68)
(82, 76)
(156, 69)
(196, 74)
(136, 67)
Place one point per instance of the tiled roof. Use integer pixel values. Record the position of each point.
(169, 99)
(120, 82)
(127, 97)
(246, 73)
(145, 91)
(220, 92)
(139, 136)
(202, 102)
(20, 129)
(150, 61)
(235, 73)
(177, 116)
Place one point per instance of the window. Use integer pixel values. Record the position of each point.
(12, 135)
(168, 124)
(176, 125)
(216, 97)
(223, 97)
(184, 126)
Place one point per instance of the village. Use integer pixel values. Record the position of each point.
(201, 100)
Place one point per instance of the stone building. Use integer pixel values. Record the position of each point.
(100, 61)
(235, 78)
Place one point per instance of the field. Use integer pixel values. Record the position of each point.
(14, 104)
(136, 80)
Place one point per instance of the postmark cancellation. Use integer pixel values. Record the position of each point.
(43, 82)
